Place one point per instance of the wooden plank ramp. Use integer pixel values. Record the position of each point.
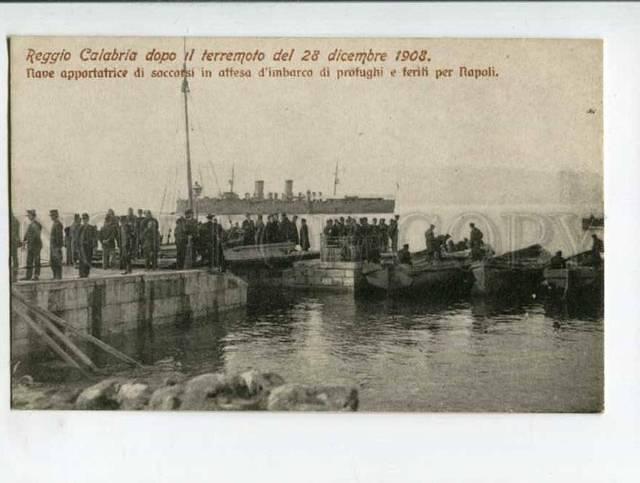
(55, 332)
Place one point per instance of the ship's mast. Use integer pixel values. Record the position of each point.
(185, 91)
(233, 166)
(335, 180)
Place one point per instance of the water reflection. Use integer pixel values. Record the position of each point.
(414, 354)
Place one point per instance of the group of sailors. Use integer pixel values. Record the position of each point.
(593, 258)
(276, 229)
(129, 236)
(438, 245)
(361, 238)
(202, 244)
(132, 236)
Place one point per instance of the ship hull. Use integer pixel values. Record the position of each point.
(343, 206)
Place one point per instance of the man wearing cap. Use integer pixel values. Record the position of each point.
(108, 238)
(430, 241)
(404, 256)
(14, 244)
(217, 254)
(293, 228)
(248, 231)
(126, 242)
(34, 246)
(393, 233)
(205, 238)
(56, 242)
(475, 239)
(180, 236)
(260, 231)
(191, 234)
(87, 241)
(304, 235)
(150, 241)
(73, 241)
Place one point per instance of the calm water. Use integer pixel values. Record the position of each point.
(404, 355)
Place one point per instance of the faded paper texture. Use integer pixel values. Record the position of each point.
(373, 224)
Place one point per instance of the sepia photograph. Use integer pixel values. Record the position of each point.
(306, 224)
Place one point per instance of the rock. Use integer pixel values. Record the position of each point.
(99, 396)
(29, 397)
(133, 396)
(299, 397)
(64, 398)
(166, 398)
(201, 392)
(26, 380)
(260, 383)
(174, 378)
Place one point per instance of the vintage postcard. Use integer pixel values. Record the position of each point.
(309, 224)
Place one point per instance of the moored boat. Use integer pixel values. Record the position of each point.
(579, 278)
(281, 254)
(421, 277)
(513, 271)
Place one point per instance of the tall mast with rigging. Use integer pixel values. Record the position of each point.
(335, 180)
(231, 181)
(185, 91)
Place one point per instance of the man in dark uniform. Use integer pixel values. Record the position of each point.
(68, 246)
(181, 243)
(383, 228)
(14, 244)
(56, 243)
(557, 261)
(150, 241)
(475, 241)
(140, 222)
(87, 241)
(191, 233)
(260, 231)
(108, 237)
(248, 231)
(597, 247)
(430, 241)
(404, 256)
(394, 231)
(440, 245)
(304, 235)
(205, 239)
(127, 243)
(295, 235)
(217, 240)
(34, 246)
(73, 232)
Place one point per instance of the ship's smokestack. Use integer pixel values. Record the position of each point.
(259, 190)
(288, 189)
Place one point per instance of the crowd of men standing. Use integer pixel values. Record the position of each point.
(202, 243)
(138, 236)
(359, 239)
(129, 236)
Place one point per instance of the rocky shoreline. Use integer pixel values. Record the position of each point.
(250, 390)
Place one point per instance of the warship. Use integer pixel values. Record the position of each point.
(256, 203)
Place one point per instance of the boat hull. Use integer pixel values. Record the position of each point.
(439, 276)
(272, 254)
(575, 282)
(489, 278)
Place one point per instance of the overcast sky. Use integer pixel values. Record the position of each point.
(89, 145)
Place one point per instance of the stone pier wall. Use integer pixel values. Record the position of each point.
(346, 276)
(307, 274)
(108, 305)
